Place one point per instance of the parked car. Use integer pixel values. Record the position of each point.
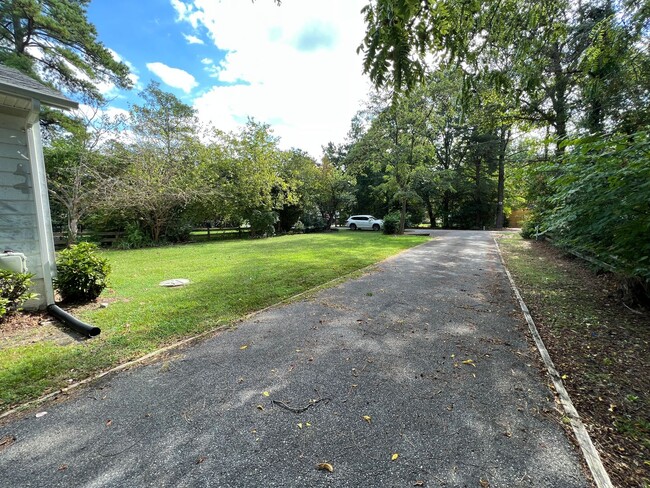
(364, 222)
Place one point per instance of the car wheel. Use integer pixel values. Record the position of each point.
(375, 226)
(353, 226)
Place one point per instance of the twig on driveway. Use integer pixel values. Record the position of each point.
(301, 409)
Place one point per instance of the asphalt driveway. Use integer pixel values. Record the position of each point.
(429, 347)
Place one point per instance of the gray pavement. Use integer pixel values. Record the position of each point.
(430, 346)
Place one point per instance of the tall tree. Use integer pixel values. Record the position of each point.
(334, 191)
(77, 164)
(241, 169)
(162, 156)
(53, 41)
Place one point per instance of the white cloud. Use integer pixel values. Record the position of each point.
(193, 39)
(174, 77)
(299, 62)
(186, 12)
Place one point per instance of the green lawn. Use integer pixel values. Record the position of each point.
(228, 280)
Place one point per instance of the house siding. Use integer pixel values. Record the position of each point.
(18, 215)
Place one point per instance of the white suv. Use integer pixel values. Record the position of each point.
(364, 222)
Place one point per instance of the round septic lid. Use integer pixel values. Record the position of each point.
(175, 282)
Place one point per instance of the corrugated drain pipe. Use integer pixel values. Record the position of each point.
(73, 322)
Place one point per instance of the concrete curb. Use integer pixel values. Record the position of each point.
(584, 440)
(215, 330)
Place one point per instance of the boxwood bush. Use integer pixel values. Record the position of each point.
(14, 291)
(81, 273)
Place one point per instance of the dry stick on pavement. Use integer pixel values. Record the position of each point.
(301, 409)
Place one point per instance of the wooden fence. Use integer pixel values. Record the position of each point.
(209, 233)
(106, 239)
(102, 238)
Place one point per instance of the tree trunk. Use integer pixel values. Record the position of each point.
(432, 217)
(445, 209)
(559, 99)
(477, 193)
(504, 137)
(402, 217)
(73, 229)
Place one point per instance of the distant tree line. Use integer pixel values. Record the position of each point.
(546, 106)
(157, 173)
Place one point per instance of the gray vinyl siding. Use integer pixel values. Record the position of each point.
(18, 221)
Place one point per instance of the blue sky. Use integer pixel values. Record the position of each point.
(293, 66)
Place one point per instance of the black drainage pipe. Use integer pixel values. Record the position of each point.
(73, 322)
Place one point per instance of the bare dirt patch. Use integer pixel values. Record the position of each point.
(599, 345)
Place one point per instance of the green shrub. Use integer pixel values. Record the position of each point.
(82, 274)
(14, 291)
(298, 227)
(529, 229)
(262, 223)
(391, 223)
(313, 221)
(599, 201)
(132, 238)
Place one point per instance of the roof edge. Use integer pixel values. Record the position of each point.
(16, 83)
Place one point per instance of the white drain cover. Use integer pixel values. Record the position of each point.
(175, 282)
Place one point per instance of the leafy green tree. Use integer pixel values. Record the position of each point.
(161, 180)
(53, 41)
(241, 170)
(295, 187)
(547, 52)
(394, 145)
(599, 201)
(77, 163)
(333, 191)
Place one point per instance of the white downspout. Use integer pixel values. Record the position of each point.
(41, 199)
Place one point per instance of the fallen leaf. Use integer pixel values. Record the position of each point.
(245, 346)
(109, 422)
(354, 386)
(367, 418)
(63, 467)
(418, 483)
(469, 361)
(40, 414)
(266, 393)
(394, 457)
(308, 424)
(564, 376)
(6, 441)
(453, 356)
(484, 483)
(200, 459)
(300, 425)
(260, 407)
(325, 467)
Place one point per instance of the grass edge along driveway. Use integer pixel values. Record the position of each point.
(228, 280)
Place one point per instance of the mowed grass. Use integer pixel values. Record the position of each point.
(228, 280)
